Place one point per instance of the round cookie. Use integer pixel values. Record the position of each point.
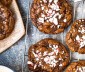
(76, 67)
(6, 2)
(6, 22)
(48, 55)
(51, 16)
(75, 38)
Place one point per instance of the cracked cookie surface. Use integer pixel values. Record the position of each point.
(75, 38)
(48, 55)
(51, 16)
(7, 22)
(76, 67)
(6, 2)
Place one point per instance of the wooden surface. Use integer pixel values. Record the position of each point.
(16, 57)
(18, 31)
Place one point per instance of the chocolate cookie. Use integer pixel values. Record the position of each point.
(48, 55)
(6, 22)
(51, 16)
(75, 38)
(6, 2)
(76, 67)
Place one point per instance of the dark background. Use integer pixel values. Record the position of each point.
(14, 56)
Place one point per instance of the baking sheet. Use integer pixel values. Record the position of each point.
(33, 35)
(18, 31)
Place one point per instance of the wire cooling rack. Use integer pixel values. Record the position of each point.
(33, 35)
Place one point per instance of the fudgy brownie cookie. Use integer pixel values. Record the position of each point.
(6, 2)
(76, 67)
(75, 38)
(48, 55)
(51, 16)
(6, 22)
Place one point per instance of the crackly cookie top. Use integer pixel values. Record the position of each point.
(6, 22)
(76, 36)
(76, 67)
(80, 37)
(51, 16)
(49, 55)
(6, 2)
